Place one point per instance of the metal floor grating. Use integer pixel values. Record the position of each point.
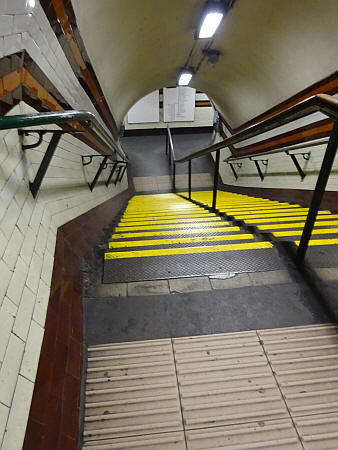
(196, 264)
(246, 390)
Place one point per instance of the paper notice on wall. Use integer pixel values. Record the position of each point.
(146, 110)
(179, 104)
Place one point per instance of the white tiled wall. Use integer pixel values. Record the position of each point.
(27, 238)
(28, 226)
(280, 171)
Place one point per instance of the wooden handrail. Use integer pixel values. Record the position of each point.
(326, 104)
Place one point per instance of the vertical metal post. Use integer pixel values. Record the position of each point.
(174, 176)
(296, 163)
(122, 173)
(233, 171)
(35, 185)
(111, 174)
(323, 177)
(166, 143)
(214, 195)
(118, 173)
(98, 173)
(189, 179)
(260, 173)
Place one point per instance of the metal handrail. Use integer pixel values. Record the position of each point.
(169, 149)
(279, 150)
(323, 103)
(85, 118)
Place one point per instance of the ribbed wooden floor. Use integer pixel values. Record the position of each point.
(269, 389)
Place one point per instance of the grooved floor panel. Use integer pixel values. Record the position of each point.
(274, 434)
(131, 389)
(305, 363)
(318, 431)
(267, 389)
(225, 379)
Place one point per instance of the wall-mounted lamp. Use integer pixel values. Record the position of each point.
(184, 76)
(211, 17)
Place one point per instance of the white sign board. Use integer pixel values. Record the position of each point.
(179, 104)
(146, 110)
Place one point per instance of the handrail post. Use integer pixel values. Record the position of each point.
(98, 173)
(259, 170)
(35, 185)
(111, 173)
(189, 179)
(214, 195)
(297, 165)
(233, 171)
(323, 177)
(174, 176)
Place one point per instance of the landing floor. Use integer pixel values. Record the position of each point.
(249, 390)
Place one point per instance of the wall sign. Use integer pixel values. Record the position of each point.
(179, 104)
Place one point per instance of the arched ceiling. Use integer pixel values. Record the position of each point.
(270, 50)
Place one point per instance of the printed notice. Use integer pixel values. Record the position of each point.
(179, 104)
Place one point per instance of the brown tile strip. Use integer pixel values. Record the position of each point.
(61, 16)
(54, 415)
(307, 133)
(17, 83)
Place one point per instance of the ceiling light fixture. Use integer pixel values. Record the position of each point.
(211, 17)
(184, 76)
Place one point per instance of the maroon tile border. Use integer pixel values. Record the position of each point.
(62, 19)
(55, 410)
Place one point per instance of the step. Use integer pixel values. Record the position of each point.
(185, 231)
(187, 240)
(187, 250)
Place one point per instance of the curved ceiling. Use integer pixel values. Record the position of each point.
(270, 50)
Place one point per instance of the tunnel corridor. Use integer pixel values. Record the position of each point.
(168, 224)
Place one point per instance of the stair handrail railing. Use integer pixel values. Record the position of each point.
(85, 118)
(324, 103)
(80, 122)
(169, 150)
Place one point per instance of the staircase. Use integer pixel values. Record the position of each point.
(166, 236)
(283, 220)
(243, 390)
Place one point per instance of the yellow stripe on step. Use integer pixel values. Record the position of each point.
(169, 226)
(150, 242)
(285, 219)
(299, 232)
(155, 215)
(175, 232)
(321, 242)
(126, 223)
(278, 214)
(318, 223)
(271, 208)
(187, 250)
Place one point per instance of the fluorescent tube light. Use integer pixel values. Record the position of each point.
(184, 77)
(212, 16)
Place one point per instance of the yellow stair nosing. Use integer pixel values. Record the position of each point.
(225, 229)
(150, 242)
(187, 250)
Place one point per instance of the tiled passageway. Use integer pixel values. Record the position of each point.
(257, 389)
